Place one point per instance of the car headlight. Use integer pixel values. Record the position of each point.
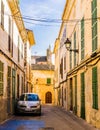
(38, 105)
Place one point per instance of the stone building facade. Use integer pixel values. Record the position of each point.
(43, 82)
(82, 24)
(43, 78)
(56, 71)
(13, 35)
(27, 59)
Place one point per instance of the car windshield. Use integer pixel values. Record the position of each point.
(29, 97)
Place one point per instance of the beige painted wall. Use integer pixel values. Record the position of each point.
(74, 11)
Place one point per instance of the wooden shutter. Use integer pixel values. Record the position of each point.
(82, 96)
(70, 60)
(75, 94)
(9, 90)
(48, 80)
(82, 39)
(95, 88)
(1, 78)
(13, 82)
(9, 82)
(2, 14)
(18, 49)
(65, 63)
(74, 48)
(94, 25)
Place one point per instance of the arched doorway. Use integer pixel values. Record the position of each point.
(48, 97)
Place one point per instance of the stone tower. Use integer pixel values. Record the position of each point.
(49, 55)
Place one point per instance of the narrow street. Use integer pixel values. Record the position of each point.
(52, 118)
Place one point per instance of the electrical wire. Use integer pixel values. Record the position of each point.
(52, 22)
(43, 19)
(38, 24)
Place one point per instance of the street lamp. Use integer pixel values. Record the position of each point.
(68, 46)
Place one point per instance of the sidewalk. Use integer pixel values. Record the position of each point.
(77, 119)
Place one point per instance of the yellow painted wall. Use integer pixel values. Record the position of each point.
(40, 86)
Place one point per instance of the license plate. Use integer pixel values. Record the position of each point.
(28, 109)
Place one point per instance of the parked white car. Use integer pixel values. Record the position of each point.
(28, 103)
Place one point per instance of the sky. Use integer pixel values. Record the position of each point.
(43, 17)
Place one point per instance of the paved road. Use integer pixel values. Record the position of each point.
(52, 118)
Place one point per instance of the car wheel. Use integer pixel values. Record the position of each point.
(39, 114)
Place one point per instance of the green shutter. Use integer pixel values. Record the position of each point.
(18, 49)
(1, 78)
(82, 96)
(9, 82)
(94, 25)
(70, 60)
(65, 94)
(13, 89)
(95, 88)
(13, 82)
(75, 94)
(2, 14)
(74, 48)
(82, 39)
(48, 81)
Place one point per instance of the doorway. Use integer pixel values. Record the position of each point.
(13, 89)
(71, 94)
(48, 97)
(82, 96)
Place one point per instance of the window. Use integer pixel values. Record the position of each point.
(75, 94)
(65, 94)
(82, 39)
(1, 78)
(18, 84)
(83, 95)
(22, 84)
(18, 50)
(61, 68)
(59, 94)
(74, 48)
(13, 82)
(29, 97)
(95, 88)
(94, 25)
(70, 60)
(65, 63)
(9, 82)
(9, 36)
(48, 80)
(2, 14)
(22, 51)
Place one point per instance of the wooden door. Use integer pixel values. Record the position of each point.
(48, 97)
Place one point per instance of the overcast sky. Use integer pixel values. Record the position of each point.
(44, 18)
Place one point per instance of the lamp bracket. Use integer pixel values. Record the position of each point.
(74, 50)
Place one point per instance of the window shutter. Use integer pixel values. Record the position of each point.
(82, 39)
(1, 78)
(2, 14)
(95, 88)
(74, 48)
(48, 80)
(94, 25)
(70, 60)
(76, 94)
(82, 96)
